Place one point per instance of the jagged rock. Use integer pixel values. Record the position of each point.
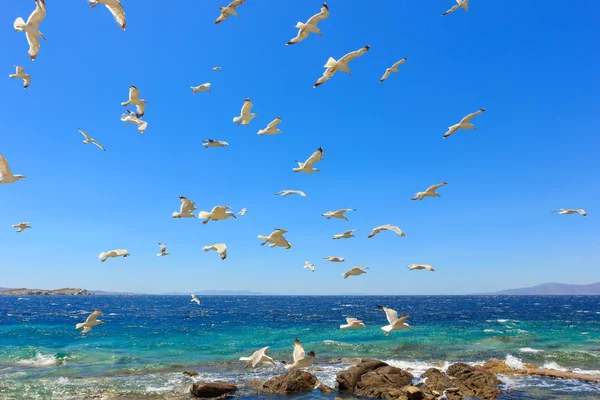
(414, 393)
(323, 388)
(495, 366)
(481, 383)
(256, 384)
(294, 382)
(348, 379)
(384, 382)
(190, 373)
(211, 390)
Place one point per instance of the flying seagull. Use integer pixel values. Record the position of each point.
(229, 10)
(355, 272)
(394, 68)
(116, 9)
(245, 116)
(276, 238)
(113, 254)
(243, 211)
(386, 227)
(307, 166)
(345, 235)
(285, 193)
(419, 267)
(20, 74)
(340, 214)
(334, 259)
(201, 88)
(187, 208)
(135, 119)
(271, 129)
(163, 250)
(464, 123)
(218, 213)
(6, 176)
(301, 360)
(90, 322)
(31, 27)
(332, 66)
(464, 4)
(22, 226)
(214, 143)
(194, 299)
(258, 357)
(310, 26)
(396, 324)
(220, 248)
(309, 265)
(89, 140)
(217, 69)
(430, 192)
(134, 98)
(567, 211)
(352, 323)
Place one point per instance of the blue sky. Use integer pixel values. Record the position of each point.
(534, 69)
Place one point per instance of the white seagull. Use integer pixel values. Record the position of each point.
(89, 140)
(20, 74)
(163, 250)
(334, 259)
(394, 68)
(217, 69)
(6, 176)
(220, 248)
(187, 208)
(419, 267)
(386, 227)
(310, 26)
(301, 359)
(229, 10)
(243, 211)
(276, 238)
(464, 4)
(258, 357)
(134, 98)
(567, 211)
(116, 9)
(396, 324)
(345, 235)
(135, 119)
(113, 254)
(201, 88)
(307, 166)
(464, 123)
(31, 27)
(195, 299)
(309, 265)
(332, 66)
(285, 193)
(355, 272)
(430, 192)
(90, 322)
(218, 213)
(245, 116)
(340, 214)
(22, 226)
(214, 143)
(352, 323)
(271, 129)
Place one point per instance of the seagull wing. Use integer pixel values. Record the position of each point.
(278, 233)
(392, 315)
(352, 55)
(400, 62)
(351, 320)
(329, 72)
(298, 353)
(34, 45)
(134, 94)
(435, 187)
(221, 249)
(257, 356)
(93, 316)
(273, 124)
(20, 70)
(456, 7)
(98, 144)
(163, 248)
(236, 3)
(119, 14)
(386, 75)
(87, 137)
(581, 211)
(4, 168)
(469, 117)
(307, 264)
(376, 231)
(394, 228)
(403, 318)
(246, 107)
(302, 34)
(315, 19)
(315, 157)
(38, 15)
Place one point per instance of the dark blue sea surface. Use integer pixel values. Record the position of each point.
(148, 341)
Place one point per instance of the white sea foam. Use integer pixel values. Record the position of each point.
(554, 365)
(417, 367)
(514, 362)
(529, 350)
(491, 331)
(40, 360)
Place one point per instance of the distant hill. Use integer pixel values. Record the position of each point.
(554, 289)
(217, 293)
(42, 292)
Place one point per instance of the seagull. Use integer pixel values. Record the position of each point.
(243, 211)
(6, 176)
(334, 259)
(276, 238)
(194, 299)
(218, 213)
(464, 123)
(334, 66)
(307, 166)
(229, 10)
(201, 88)
(568, 211)
(31, 27)
(214, 143)
(418, 382)
(217, 69)
(22, 226)
(245, 115)
(464, 4)
(345, 235)
(394, 68)
(220, 248)
(258, 357)
(285, 193)
(430, 192)
(418, 267)
(355, 272)
(20, 74)
(135, 119)
(90, 322)
(113, 254)
(163, 250)
(116, 9)
(396, 324)
(271, 129)
(310, 25)
(301, 360)
(338, 214)
(309, 265)
(134, 98)
(187, 208)
(89, 140)
(352, 323)
(386, 227)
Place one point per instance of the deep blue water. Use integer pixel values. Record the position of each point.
(148, 341)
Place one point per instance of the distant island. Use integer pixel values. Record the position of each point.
(550, 289)
(42, 292)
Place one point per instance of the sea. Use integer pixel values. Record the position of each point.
(148, 341)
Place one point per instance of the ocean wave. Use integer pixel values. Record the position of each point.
(514, 362)
(40, 360)
(492, 331)
(529, 350)
(417, 367)
(554, 365)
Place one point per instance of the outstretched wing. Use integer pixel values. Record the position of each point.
(435, 187)
(315, 19)
(221, 249)
(163, 248)
(257, 356)
(400, 62)
(236, 3)
(469, 117)
(352, 55)
(394, 228)
(119, 14)
(298, 353)
(134, 94)
(87, 137)
(403, 318)
(4, 168)
(98, 144)
(315, 157)
(329, 72)
(273, 124)
(351, 320)
(93, 316)
(392, 315)
(456, 7)
(246, 107)
(386, 75)
(302, 34)
(38, 15)
(278, 233)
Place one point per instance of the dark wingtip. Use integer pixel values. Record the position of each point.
(326, 6)
(482, 109)
(368, 47)
(381, 307)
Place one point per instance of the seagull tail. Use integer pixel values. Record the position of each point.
(203, 214)
(19, 24)
(387, 329)
(261, 237)
(330, 63)
(236, 119)
(245, 358)
(79, 326)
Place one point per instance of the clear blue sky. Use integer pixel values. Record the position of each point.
(533, 68)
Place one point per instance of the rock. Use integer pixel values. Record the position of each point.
(190, 373)
(294, 382)
(323, 388)
(495, 366)
(256, 384)
(553, 373)
(383, 382)
(337, 398)
(211, 390)
(414, 393)
(348, 379)
(481, 383)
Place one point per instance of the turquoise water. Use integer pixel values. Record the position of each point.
(148, 341)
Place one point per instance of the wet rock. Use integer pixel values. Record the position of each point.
(414, 393)
(384, 382)
(190, 373)
(480, 383)
(348, 379)
(323, 388)
(495, 366)
(294, 382)
(256, 384)
(211, 390)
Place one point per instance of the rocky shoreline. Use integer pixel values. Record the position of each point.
(43, 292)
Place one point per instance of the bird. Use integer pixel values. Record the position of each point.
(31, 27)
(394, 68)
(332, 66)
(201, 88)
(243, 211)
(113, 254)
(418, 267)
(135, 119)
(134, 98)
(214, 143)
(186, 209)
(307, 166)
(418, 382)
(163, 250)
(355, 272)
(271, 129)
(430, 192)
(334, 259)
(229, 10)
(464, 123)
(89, 140)
(567, 211)
(195, 299)
(338, 214)
(444, 395)
(276, 238)
(116, 9)
(258, 357)
(20, 74)
(285, 193)
(396, 324)
(217, 69)
(309, 265)
(218, 213)
(22, 226)
(6, 176)
(352, 323)
(464, 4)
(386, 227)
(90, 322)
(301, 359)
(310, 26)
(345, 235)
(220, 248)
(245, 116)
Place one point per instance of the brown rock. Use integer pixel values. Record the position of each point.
(190, 373)
(414, 393)
(211, 390)
(495, 366)
(384, 382)
(481, 383)
(323, 388)
(294, 382)
(256, 384)
(348, 379)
